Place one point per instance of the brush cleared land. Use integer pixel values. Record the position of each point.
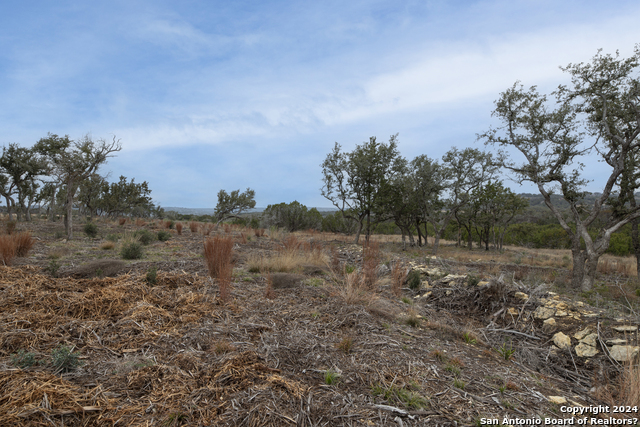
(307, 336)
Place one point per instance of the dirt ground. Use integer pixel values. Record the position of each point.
(171, 353)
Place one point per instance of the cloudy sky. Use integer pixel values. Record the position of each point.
(210, 95)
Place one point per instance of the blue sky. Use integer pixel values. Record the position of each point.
(210, 95)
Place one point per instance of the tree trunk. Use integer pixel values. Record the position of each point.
(358, 232)
(578, 267)
(590, 271)
(635, 241)
(68, 217)
(8, 199)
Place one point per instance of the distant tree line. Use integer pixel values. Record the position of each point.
(60, 175)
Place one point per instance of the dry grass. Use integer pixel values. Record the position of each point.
(7, 249)
(140, 222)
(285, 261)
(353, 289)
(276, 234)
(259, 232)
(193, 226)
(227, 228)
(243, 238)
(622, 266)
(269, 293)
(10, 226)
(23, 243)
(122, 221)
(207, 228)
(107, 245)
(371, 257)
(179, 227)
(218, 252)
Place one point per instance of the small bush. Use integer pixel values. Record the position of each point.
(505, 351)
(163, 235)
(152, 275)
(345, 345)
(145, 236)
(413, 280)
(131, 250)
(113, 237)
(23, 359)
(53, 268)
(91, 229)
(179, 228)
(63, 360)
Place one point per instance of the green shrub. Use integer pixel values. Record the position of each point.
(163, 236)
(63, 360)
(113, 237)
(131, 250)
(53, 268)
(152, 276)
(23, 359)
(91, 229)
(145, 236)
(413, 280)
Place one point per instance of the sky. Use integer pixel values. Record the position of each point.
(211, 95)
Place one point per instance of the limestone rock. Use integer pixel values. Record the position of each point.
(434, 272)
(583, 333)
(559, 400)
(549, 325)
(617, 341)
(562, 306)
(590, 315)
(544, 313)
(584, 350)
(483, 283)
(626, 328)
(425, 284)
(561, 340)
(590, 340)
(453, 277)
(623, 353)
(561, 313)
(522, 296)
(513, 311)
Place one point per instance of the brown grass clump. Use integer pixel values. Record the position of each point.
(193, 226)
(7, 249)
(23, 243)
(179, 227)
(206, 229)
(227, 228)
(269, 293)
(284, 262)
(290, 243)
(107, 245)
(140, 222)
(218, 252)
(243, 238)
(354, 290)
(122, 221)
(398, 276)
(371, 257)
(259, 232)
(345, 345)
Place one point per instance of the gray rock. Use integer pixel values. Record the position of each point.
(544, 313)
(562, 340)
(624, 353)
(584, 350)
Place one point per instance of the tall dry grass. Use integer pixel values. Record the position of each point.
(353, 289)
(193, 226)
(285, 261)
(15, 245)
(371, 258)
(218, 252)
(179, 227)
(398, 276)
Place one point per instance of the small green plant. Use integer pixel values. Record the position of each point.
(469, 338)
(59, 234)
(145, 236)
(439, 355)
(412, 320)
(131, 250)
(331, 377)
(91, 229)
(502, 389)
(314, 281)
(53, 268)
(64, 360)
(99, 272)
(403, 395)
(505, 351)
(152, 275)
(315, 314)
(23, 359)
(458, 383)
(413, 280)
(452, 369)
(163, 235)
(473, 280)
(348, 269)
(407, 300)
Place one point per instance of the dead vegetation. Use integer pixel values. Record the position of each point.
(336, 337)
